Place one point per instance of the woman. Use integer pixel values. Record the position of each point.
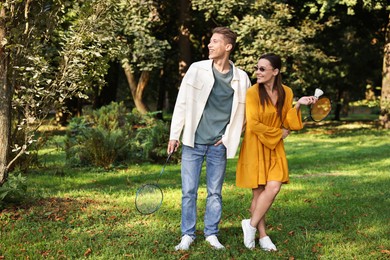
(262, 164)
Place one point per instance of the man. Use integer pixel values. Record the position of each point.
(209, 113)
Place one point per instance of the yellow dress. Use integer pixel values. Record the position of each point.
(262, 156)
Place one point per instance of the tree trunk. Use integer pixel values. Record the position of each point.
(384, 117)
(184, 37)
(137, 89)
(161, 95)
(5, 101)
(338, 108)
(107, 94)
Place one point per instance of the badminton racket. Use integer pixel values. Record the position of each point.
(321, 109)
(149, 196)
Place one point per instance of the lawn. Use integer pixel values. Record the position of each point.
(337, 206)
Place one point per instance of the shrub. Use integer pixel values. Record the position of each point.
(153, 140)
(111, 135)
(29, 159)
(14, 189)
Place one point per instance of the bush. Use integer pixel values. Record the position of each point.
(111, 135)
(14, 189)
(151, 139)
(29, 159)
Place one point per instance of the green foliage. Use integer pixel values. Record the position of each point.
(49, 62)
(153, 139)
(137, 22)
(61, 49)
(365, 102)
(353, 37)
(29, 159)
(269, 27)
(111, 135)
(220, 9)
(14, 189)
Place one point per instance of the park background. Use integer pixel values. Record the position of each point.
(87, 91)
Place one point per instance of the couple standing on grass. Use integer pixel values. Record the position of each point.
(214, 104)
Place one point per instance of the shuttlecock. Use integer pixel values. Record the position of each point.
(318, 92)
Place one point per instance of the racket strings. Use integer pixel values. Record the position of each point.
(320, 109)
(148, 199)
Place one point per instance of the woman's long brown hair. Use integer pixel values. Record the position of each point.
(276, 63)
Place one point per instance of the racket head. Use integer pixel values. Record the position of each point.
(148, 199)
(321, 109)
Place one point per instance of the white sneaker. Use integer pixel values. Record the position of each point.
(213, 241)
(185, 243)
(266, 244)
(249, 233)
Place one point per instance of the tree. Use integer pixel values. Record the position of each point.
(125, 31)
(5, 99)
(385, 96)
(143, 52)
(268, 26)
(353, 35)
(184, 37)
(40, 69)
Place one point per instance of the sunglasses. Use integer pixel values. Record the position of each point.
(262, 69)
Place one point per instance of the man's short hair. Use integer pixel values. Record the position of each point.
(229, 35)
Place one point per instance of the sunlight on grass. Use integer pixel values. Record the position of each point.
(354, 126)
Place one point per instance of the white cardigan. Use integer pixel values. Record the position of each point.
(194, 91)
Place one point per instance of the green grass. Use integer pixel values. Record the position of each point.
(336, 206)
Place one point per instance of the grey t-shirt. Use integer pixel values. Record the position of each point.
(216, 114)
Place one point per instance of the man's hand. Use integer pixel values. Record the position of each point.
(172, 146)
(218, 143)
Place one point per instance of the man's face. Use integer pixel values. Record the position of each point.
(218, 46)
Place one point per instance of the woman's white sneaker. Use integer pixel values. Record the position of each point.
(249, 233)
(266, 244)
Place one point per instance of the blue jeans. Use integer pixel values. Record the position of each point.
(192, 160)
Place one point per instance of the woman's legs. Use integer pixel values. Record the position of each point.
(255, 195)
(263, 197)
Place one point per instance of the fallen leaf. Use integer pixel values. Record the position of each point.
(88, 252)
(185, 256)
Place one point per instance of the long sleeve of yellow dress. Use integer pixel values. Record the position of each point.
(262, 155)
(263, 124)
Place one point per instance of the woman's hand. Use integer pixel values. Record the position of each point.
(285, 133)
(306, 100)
